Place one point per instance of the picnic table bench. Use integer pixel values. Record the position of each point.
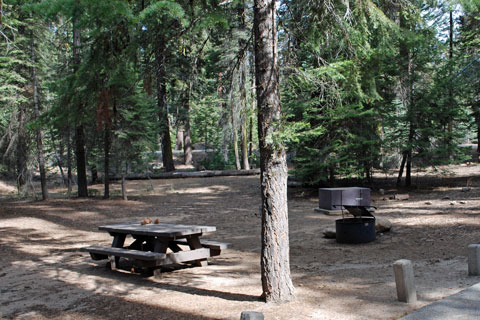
(156, 245)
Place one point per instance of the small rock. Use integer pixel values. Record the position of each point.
(382, 225)
(381, 191)
(330, 233)
(466, 189)
(446, 198)
(452, 203)
(462, 202)
(428, 202)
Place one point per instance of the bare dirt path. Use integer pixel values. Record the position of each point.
(44, 276)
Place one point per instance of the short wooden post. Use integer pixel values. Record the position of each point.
(251, 315)
(405, 281)
(474, 260)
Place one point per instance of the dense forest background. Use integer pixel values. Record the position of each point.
(93, 87)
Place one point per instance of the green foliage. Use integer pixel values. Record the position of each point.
(331, 126)
(215, 161)
(362, 81)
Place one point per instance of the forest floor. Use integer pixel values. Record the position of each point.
(43, 275)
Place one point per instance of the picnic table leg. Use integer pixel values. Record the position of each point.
(174, 247)
(160, 246)
(118, 241)
(194, 243)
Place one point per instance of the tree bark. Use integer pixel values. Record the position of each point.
(275, 266)
(235, 143)
(167, 154)
(124, 188)
(69, 162)
(187, 147)
(21, 156)
(187, 144)
(94, 173)
(406, 96)
(106, 175)
(250, 130)
(476, 114)
(180, 137)
(243, 114)
(224, 123)
(450, 91)
(80, 153)
(39, 133)
(402, 166)
(244, 143)
(58, 153)
(408, 173)
(250, 142)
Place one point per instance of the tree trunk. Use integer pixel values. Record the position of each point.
(406, 96)
(124, 188)
(233, 118)
(180, 137)
(106, 178)
(80, 152)
(223, 122)
(402, 166)
(81, 161)
(39, 133)
(69, 162)
(235, 144)
(408, 174)
(243, 114)
(275, 266)
(94, 172)
(21, 156)
(250, 142)
(187, 145)
(450, 91)
(244, 142)
(167, 155)
(476, 113)
(250, 129)
(57, 158)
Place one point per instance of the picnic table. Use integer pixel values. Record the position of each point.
(156, 245)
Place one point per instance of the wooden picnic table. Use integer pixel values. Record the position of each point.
(156, 245)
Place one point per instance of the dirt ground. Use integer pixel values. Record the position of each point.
(43, 275)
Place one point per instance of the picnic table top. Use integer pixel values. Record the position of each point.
(158, 230)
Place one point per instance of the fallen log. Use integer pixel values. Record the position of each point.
(188, 174)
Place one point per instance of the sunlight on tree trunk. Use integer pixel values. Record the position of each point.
(275, 261)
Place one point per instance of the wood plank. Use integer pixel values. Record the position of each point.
(207, 244)
(126, 253)
(194, 243)
(185, 256)
(157, 230)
